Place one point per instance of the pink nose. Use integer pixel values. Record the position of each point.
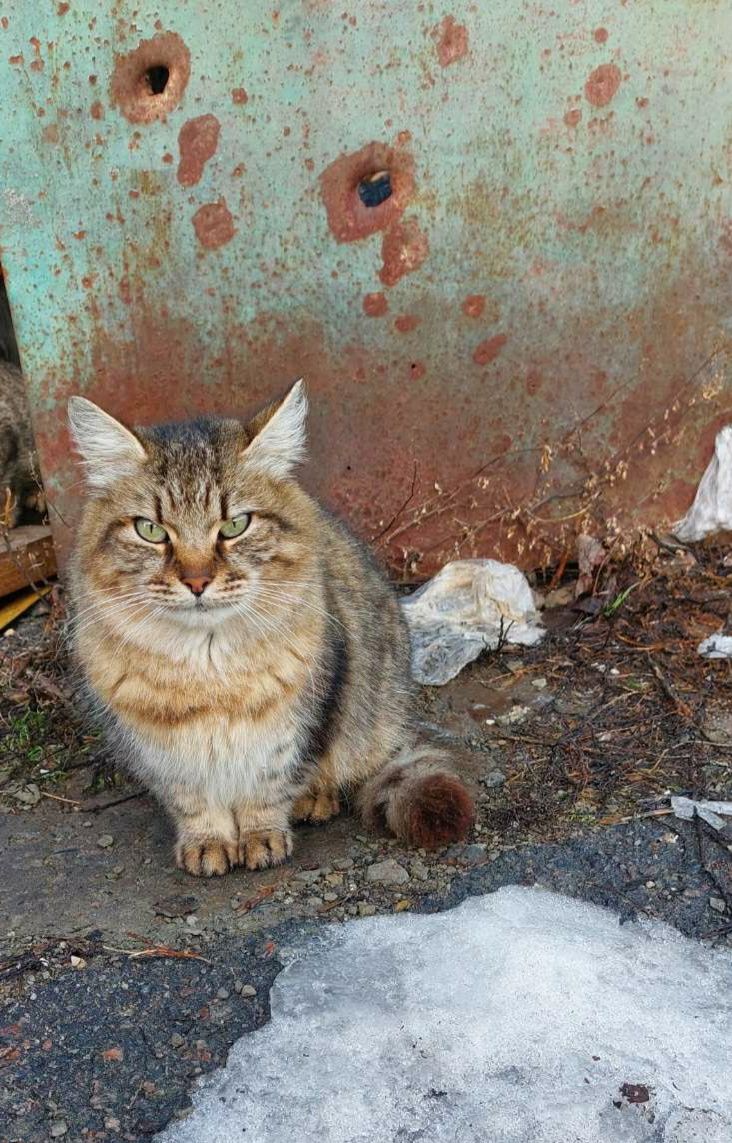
(196, 583)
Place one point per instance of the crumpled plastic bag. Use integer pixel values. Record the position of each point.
(468, 607)
(712, 508)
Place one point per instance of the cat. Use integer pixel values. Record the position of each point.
(19, 485)
(242, 647)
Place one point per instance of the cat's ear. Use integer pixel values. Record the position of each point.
(278, 432)
(108, 450)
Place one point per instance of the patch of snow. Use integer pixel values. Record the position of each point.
(716, 646)
(470, 606)
(711, 511)
(518, 1017)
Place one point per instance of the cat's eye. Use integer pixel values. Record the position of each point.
(234, 527)
(150, 531)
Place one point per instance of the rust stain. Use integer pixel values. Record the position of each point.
(602, 84)
(130, 88)
(405, 323)
(15, 60)
(213, 224)
(600, 35)
(474, 305)
(417, 370)
(348, 218)
(63, 9)
(403, 250)
(489, 349)
(375, 305)
(451, 41)
(572, 117)
(97, 111)
(197, 143)
(36, 65)
(50, 134)
(239, 95)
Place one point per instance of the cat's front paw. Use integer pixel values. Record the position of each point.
(260, 849)
(316, 806)
(207, 858)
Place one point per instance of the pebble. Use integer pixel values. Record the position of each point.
(176, 1040)
(366, 909)
(468, 854)
(540, 684)
(387, 872)
(308, 876)
(494, 779)
(58, 1128)
(419, 870)
(191, 919)
(334, 878)
(223, 994)
(314, 902)
(343, 863)
(402, 906)
(105, 841)
(248, 990)
(330, 897)
(717, 904)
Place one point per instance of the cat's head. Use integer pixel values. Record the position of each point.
(193, 518)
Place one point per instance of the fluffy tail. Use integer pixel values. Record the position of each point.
(418, 797)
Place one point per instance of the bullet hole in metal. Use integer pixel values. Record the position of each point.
(156, 79)
(375, 189)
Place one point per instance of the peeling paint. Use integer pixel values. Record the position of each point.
(603, 84)
(403, 250)
(213, 224)
(451, 41)
(197, 143)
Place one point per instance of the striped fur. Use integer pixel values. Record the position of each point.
(283, 686)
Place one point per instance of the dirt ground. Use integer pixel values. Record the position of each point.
(572, 747)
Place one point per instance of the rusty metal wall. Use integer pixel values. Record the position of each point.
(528, 338)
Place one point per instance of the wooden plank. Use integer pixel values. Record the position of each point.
(15, 607)
(27, 557)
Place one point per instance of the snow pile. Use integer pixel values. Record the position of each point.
(521, 1017)
(470, 606)
(711, 511)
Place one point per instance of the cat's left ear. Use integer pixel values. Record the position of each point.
(278, 432)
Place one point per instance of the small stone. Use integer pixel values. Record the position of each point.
(467, 854)
(105, 841)
(387, 872)
(238, 986)
(366, 909)
(330, 897)
(58, 1128)
(191, 919)
(334, 878)
(494, 779)
(175, 906)
(343, 863)
(248, 990)
(112, 1124)
(402, 906)
(223, 994)
(118, 869)
(176, 1040)
(419, 870)
(717, 904)
(540, 684)
(78, 962)
(314, 902)
(650, 884)
(28, 795)
(308, 876)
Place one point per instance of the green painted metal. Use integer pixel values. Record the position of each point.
(529, 338)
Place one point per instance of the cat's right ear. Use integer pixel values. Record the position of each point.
(108, 450)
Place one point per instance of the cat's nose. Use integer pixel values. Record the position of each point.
(196, 583)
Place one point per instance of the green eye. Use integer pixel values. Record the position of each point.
(150, 531)
(234, 527)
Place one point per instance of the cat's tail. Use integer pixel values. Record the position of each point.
(418, 797)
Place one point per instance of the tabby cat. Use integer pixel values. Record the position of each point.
(19, 487)
(247, 656)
